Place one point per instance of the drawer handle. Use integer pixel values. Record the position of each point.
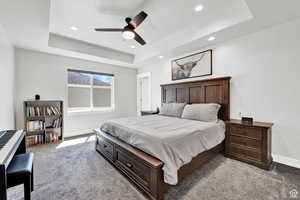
(129, 165)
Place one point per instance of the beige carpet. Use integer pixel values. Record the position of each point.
(73, 170)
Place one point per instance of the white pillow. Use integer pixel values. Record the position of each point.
(172, 109)
(202, 112)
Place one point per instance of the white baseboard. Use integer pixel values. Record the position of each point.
(77, 132)
(287, 161)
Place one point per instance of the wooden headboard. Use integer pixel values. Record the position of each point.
(215, 90)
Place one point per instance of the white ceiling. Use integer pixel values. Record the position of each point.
(90, 14)
(172, 27)
(167, 20)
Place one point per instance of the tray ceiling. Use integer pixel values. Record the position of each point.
(173, 27)
(168, 20)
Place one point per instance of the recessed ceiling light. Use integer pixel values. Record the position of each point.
(160, 57)
(199, 8)
(73, 28)
(211, 38)
(132, 46)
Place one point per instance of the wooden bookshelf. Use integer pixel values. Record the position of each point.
(43, 121)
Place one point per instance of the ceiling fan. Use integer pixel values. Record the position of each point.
(128, 32)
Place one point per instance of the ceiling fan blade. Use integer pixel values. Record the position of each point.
(139, 39)
(137, 20)
(109, 29)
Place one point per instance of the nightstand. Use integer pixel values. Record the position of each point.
(143, 113)
(250, 143)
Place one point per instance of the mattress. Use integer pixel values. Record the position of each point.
(175, 141)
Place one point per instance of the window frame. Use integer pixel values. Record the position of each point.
(91, 86)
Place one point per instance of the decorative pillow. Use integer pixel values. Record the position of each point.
(172, 109)
(202, 112)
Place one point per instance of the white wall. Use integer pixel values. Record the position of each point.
(46, 74)
(265, 68)
(7, 71)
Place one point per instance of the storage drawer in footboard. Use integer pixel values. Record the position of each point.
(143, 170)
(105, 147)
(135, 168)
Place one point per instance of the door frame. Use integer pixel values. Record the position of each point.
(140, 76)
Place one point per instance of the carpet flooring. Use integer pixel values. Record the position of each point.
(73, 170)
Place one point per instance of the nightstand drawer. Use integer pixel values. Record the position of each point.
(248, 142)
(244, 153)
(250, 132)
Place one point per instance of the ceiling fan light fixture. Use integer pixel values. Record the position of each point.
(128, 34)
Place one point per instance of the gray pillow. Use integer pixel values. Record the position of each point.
(202, 112)
(172, 109)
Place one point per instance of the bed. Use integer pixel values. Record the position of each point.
(137, 157)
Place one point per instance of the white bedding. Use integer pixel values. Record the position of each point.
(175, 141)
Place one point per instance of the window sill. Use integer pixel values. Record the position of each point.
(90, 111)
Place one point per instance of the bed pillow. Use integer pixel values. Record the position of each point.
(203, 112)
(172, 109)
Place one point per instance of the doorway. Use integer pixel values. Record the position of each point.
(143, 92)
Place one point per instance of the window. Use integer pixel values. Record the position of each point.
(90, 91)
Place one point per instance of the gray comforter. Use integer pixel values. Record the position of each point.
(174, 141)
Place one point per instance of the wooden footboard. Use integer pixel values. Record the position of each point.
(141, 169)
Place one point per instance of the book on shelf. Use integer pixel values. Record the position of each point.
(34, 139)
(52, 110)
(57, 123)
(41, 139)
(35, 125)
(37, 111)
(52, 137)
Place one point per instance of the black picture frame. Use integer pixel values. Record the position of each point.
(187, 67)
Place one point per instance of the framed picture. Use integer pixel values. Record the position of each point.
(195, 65)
